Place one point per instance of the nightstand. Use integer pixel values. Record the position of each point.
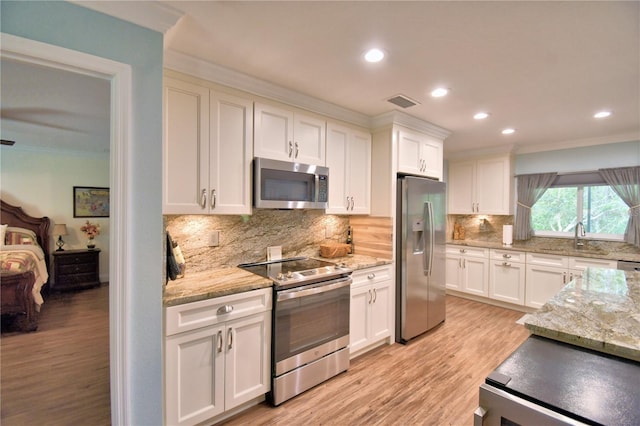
(75, 269)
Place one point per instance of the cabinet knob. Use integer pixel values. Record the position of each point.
(506, 256)
(507, 264)
(371, 276)
(224, 309)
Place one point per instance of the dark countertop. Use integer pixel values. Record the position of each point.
(562, 247)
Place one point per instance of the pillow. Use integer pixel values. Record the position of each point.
(3, 232)
(17, 236)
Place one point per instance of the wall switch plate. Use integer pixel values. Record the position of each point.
(274, 253)
(214, 238)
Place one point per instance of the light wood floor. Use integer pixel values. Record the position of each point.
(431, 381)
(59, 374)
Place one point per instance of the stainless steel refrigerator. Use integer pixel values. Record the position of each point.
(421, 223)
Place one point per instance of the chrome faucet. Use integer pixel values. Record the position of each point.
(576, 239)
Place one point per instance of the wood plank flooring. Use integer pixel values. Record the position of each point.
(433, 380)
(59, 374)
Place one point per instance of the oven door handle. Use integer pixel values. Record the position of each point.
(323, 288)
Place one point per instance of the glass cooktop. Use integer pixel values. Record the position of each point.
(296, 271)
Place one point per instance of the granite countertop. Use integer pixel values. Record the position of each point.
(601, 311)
(212, 283)
(229, 280)
(562, 247)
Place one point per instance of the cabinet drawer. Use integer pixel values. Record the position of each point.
(191, 316)
(77, 268)
(584, 263)
(371, 275)
(508, 255)
(76, 279)
(468, 251)
(76, 258)
(542, 259)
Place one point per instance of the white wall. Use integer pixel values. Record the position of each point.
(42, 184)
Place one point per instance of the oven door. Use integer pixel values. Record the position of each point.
(500, 408)
(310, 322)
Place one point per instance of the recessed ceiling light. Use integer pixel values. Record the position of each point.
(439, 92)
(602, 114)
(508, 131)
(481, 115)
(374, 55)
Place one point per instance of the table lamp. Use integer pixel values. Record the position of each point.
(60, 229)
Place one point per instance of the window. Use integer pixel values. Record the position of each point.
(602, 212)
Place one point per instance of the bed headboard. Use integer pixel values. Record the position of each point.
(15, 216)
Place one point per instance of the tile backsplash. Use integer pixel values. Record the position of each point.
(245, 238)
(476, 229)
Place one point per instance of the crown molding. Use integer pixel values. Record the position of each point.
(625, 137)
(403, 119)
(148, 14)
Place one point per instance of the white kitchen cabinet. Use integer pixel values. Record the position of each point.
(546, 275)
(482, 186)
(507, 275)
(577, 265)
(348, 158)
(282, 134)
(217, 355)
(371, 310)
(207, 154)
(467, 269)
(420, 155)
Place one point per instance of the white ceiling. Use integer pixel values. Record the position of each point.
(543, 68)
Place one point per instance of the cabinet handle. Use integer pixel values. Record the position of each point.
(296, 150)
(347, 202)
(224, 309)
(506, 256)
(464, 263)
(477, 207)
(203, 199)
(463, 250)
(229, 338)
(371, 276)
(375, 295)
(564, 278)
(219, 341)
(370, 297)
(352, 203)
(213, 198)
(507, 264)
(290, 148)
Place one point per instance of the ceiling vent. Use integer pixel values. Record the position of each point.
(402, 101)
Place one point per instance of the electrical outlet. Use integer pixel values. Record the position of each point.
(214, 238)
(328, 231)
(274, 253)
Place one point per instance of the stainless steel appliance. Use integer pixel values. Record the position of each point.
(545, 382)
(310, 334)
(289, 185)
(420, 252)
(628, 265)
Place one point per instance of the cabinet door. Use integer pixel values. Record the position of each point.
(247, 358)
(185, 148)
(336, 159)
(361, 297)
(493, 186)
(231, 151)
(273, 137)
(506, 281)
(359, 172)
(476, 275)
(409, 150)
(543, 282)
(309, 140)
(453, 272)
(460, 187)
(194, 376)
(432, 158)
(380, 311)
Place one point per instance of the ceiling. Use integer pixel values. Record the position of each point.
(543, 68)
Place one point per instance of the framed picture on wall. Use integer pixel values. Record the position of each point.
(89, 201)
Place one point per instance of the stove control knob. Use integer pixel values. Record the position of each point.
(289, 274)
(280, 276)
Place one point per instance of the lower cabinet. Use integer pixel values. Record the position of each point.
(221, 359)
(371, 316)
(467, 270)
(507, 276)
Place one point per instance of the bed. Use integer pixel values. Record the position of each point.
(24, 264)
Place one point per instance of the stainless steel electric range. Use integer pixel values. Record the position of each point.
(310, 332)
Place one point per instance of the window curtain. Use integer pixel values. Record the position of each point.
(625, 181)
(530, 189)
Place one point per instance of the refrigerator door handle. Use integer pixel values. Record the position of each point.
(428, 232)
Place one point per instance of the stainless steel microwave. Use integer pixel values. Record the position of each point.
(289, 185)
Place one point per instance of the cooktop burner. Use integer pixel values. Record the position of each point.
(296, 271)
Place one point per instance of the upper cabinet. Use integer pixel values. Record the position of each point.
(281, 134)
(349, 160)
(207, 150)
(419, 155)
(482, 186)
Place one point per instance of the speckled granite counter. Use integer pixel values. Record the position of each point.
(563, 247)
(214, 283)
(601, 311)
(358, 261)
